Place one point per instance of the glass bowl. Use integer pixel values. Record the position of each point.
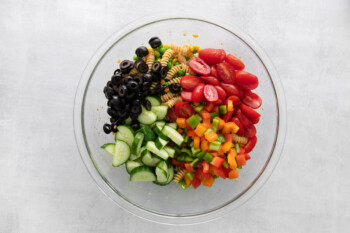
(170, 204)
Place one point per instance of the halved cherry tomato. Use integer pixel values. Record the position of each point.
(235, 62)
(250, 145)
(242, 118)
(232, 89)
(213, 71)
(235, 101)
(183, 109)
(199, 66)
(186, 95)
(250, 131)
(212, 56)
(250, 113)
(210, 79)
(189, 82)
(210, 93)
(240, 132)
(198, 93)
(172, 115)
(255, 121)
(251, 99)
(226, 73)
(246, 80)
(221, 92)
(227, 117)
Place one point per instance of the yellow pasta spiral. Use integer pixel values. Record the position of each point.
(166, 56)
(182, 59)
(180, 174)
(174, 70)
(167, 96)
(149, 60)
(174, 80)
(239, 139)
(186, 68)
(171, 103)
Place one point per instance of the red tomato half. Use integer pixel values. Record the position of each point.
(232, 89)
(235, 101)
(183, 109)
(250, 131)
(239, 124)
(242, 118)
(186, 95)
(172, 114)
(246, 80)
(251, 99)
(250, 113)
(226, 73)
(210, 93)
(212, 56)
(199, 66)
(210, 79)
(235, 62)
(198, 93)
(189, 82)
(213, 71)
(227, 117)
(221, 92)
(250, 145)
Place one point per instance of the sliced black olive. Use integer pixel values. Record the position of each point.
(163, 72)
(107, 128)
(115, 88)
(109, 92)
(114, 127)
(136, 109)
(116, 79)
(175, 88)
(156, 67)
(117, 72)
(136, 102)
(126, 66)
(147, 78)
(141, 51)
(160, 90)
(147, 105)
(113, 120)
(122, 91)
(133, 86)
(146, 86)
(122, 102)
(122, 114)
(135, 126)
(115, 103)
(154, 42)
(141, 66)
(127, 79)
(112, 112)
(138, 79)
(130, 95)
(109, 84)
(155, 77)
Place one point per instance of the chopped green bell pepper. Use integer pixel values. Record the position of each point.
(215, 145)
(193, 121)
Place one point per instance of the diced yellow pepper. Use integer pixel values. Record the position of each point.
(191, 48)
(166, 46)
(174, 60)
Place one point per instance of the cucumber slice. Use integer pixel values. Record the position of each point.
(160, 143)
(162, 172)
(131, 165)
(172, 125)
(109, 148)
(155, 101)
(147, 117)
(148, 159)
(128, 121)
(170, 176)
(125, 133)
(158, 130)
(148, 132)
(160, 111)
(151, 146)
(136, 144)
(134, 157)
(122, 153)
(142, 173)
(160, 123)
(170, 150)
(173, 135)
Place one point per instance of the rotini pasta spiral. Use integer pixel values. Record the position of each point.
(174, 70)
(171, 103)
(174, 80)
(167, 96)
(166, 56)
(180, 173)
(186, 68)
(183, 50)
(132, 72)
(154, 84)
(149, 60)
(182, 59)
(239, 139)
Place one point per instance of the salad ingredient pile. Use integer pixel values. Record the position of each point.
(182, 114)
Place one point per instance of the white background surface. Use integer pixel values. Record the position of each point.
(44, 47)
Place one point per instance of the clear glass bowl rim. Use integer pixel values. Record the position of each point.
(78, 112)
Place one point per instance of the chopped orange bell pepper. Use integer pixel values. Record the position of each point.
(196, 141)
(230, 127)
(240, 160)
(231, 159)
(221, 123)
(205, 115)
(200, 129)
(227, 146)
(211, 136)
(233, 174)
(229, 105)
(187, 181)
(204, 145)
(209, 182)
(181, 122)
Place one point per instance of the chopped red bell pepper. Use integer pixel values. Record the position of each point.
(188, 167)
(205, 167)
(196, 182)
(228, 137)
(217, 162)
(209, 107)
(190, 133)
(217, 171)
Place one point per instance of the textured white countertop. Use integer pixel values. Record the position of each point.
(44, 47)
